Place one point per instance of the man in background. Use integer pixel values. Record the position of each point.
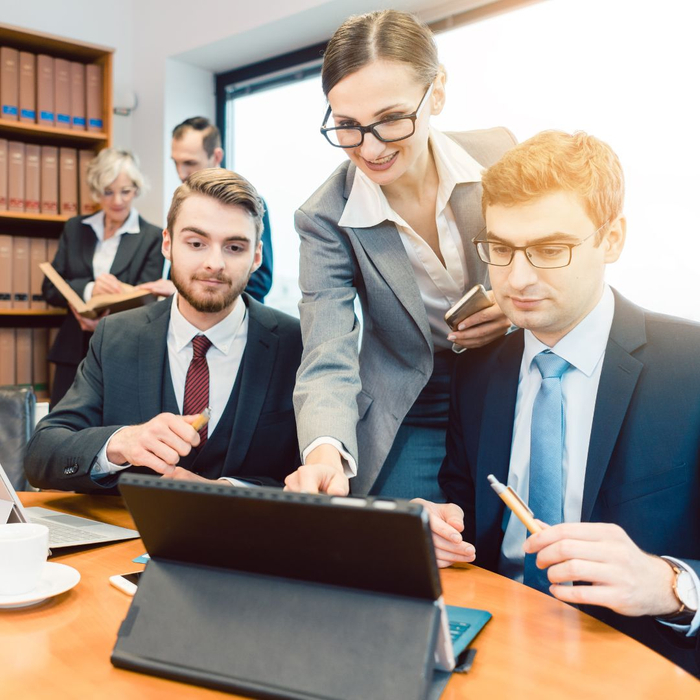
(196, 145)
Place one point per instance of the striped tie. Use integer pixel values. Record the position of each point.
(197, 382)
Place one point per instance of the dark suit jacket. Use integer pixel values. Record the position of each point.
(139, 259)
(643, 467)
(120, 383)
(261, 280)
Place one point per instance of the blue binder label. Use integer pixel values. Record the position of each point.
(9, 109)
(28, 114)
(96, 122)
(80, 121)
(63, 118)
(46, 116)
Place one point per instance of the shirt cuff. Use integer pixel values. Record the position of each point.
(692, 629)
(237, 482)
(349, 464)
(87, 292)
(102, 467)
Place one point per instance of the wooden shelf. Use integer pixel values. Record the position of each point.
(41, 42)
(36, 133)
(39, 218)
(33, 312)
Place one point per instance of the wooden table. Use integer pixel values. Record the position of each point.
(534, 647)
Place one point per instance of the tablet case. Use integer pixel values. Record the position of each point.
(279, 595)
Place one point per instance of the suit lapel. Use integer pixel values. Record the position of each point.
(87, 246)
(128, 247)
(618, 380)
(465, 203)
(255, 374)
(153, 350)
(495, 438)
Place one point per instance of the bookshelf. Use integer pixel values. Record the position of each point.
(48, 226)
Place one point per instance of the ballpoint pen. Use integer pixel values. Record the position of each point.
(202, 419)
(515, 503)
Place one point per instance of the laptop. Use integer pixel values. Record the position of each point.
(64, 530)
(255, 571)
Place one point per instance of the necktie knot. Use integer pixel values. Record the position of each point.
(551, 366)
(200, 345)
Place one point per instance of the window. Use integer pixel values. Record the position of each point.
(620, 70)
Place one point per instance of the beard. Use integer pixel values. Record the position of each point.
(208, 301)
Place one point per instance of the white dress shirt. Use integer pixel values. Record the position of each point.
(584, 348)
(106, 250)
(228, 340)
(440, 286)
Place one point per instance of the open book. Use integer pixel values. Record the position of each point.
(128, 299)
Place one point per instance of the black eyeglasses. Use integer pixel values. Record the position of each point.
(386, 130)
(542, 255)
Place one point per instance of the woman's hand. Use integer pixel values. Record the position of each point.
(87, 324)
(481, 328)
(107, 284)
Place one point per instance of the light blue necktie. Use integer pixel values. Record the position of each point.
(546, 499)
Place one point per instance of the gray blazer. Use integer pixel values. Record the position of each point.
(360, 396)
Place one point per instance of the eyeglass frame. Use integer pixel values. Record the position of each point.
(514, 249)
(371, 127)
(131, 192)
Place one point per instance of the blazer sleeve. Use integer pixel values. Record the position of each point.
(260, 281)
(66, 442)
(67, 263)
(328, 380)
(149, 267)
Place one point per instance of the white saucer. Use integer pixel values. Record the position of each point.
(55, 579)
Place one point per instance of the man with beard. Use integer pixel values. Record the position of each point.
(150, 371)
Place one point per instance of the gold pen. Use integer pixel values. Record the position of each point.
(202, 419)
(515, 503)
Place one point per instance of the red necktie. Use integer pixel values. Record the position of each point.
(197, 382)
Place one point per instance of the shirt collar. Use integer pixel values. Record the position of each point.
(368, 206)
(585, 344)
(97, 221)
(221, 335)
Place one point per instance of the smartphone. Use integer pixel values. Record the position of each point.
(126, 583)
(474, 300)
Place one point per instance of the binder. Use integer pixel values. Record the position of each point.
(94, 97)
(6, 259)
(3, 174)
(51, 249)
(27, 87)
(77, 95)
(7, 357)
(23, 361)
(53, 334)
(87, 204)
(128, 299)
(68, 181)
(40, 363)
(20, 272)
(9, 83)
(45, 90)
(62, 98)
(32, 179)
(279, 595)
(37, 255)
(15, 176)
(49, 180)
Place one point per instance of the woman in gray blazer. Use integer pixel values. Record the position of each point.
(97, 253)
(393, 227)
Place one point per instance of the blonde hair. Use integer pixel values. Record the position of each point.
(387, 35)
(552, 161)
(224, 186)
(106, 167)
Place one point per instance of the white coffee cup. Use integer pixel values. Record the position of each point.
(23, 551)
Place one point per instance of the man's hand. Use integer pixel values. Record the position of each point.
(180, 474)
(106, 284)
(481, 328)
(447, 524)
(161, 287)
(87, 324)
(318, 478)
(625, 579)
(157, 444)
